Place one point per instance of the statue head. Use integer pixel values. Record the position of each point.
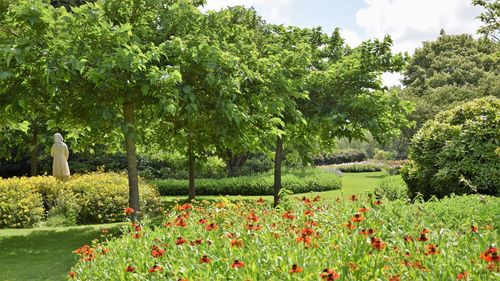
(58, 137)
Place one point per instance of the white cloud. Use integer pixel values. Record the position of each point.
(391, 79)
(351, 37)
(273, 11)
(409, 22)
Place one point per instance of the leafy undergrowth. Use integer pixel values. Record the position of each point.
(311, 239)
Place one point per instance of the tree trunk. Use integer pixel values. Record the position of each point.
(234, 162)
(34, 152)
(191, 164)
(133, 182)
(277, 169)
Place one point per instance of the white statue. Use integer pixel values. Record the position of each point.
(60, 168)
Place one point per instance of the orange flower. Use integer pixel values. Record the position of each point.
(369, 231)
(295, 269)
(185, 207)
(205, 259)
(237, 264)
(353, 198)
(377, 243)
(252, 217)
(363, 210)
(462, 276)
(211, 227)
(316, 198)
(202, 221)
(288, 215)
(408, 238)
(155, 268)
(180, 241)
(260, 201)
(236, 243)
(157, 252)
(431, 249)
(490, 255)
(394, 278)
(474, 229)
(128, 211)
(329, 275)
(377, 203)
(357, 218)
(71, 274)
(350, 226)
(308, 213)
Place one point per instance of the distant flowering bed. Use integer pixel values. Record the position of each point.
(355, 239)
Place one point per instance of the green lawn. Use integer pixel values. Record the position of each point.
(45, 253)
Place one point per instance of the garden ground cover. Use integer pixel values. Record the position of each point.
(46, 253)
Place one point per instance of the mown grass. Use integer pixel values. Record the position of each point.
(46, 253)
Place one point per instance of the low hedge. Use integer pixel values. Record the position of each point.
(262, 184)
(91, 198)
(341, 156)
(392, 188)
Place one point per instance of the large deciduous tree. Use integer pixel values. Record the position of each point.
(490, 18)
(115, 56)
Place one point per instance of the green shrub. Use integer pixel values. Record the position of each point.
(262, 184)
(392, 188)
(20, 205)
(92, 198)
(341, 156)
(359, 167)
(394, 167)
(383, 155)
(455, 152)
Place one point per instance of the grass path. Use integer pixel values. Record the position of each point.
(45, 253)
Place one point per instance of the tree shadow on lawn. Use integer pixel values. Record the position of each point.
(44, 254)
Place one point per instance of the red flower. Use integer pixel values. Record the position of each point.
(306, 200)
(377, 243)
(202, 221)
(128, 211)
(295, 269)
(357, 218)
(353, 198)
(307, 231)
(260, 201)
(180, 241)
(474, 229)
(136, 236)
(316, 199)
(423, 236)
(408, 238)
(211, 226)
(130, 269)
(205, 259)
(329, 275)
(377, 203)
(71, 274)
(431, 249)
(394, 278)
(237, 264)
(462, 276)
(155, 268)
(490, 255)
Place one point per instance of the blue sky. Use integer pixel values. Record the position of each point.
(408, 22)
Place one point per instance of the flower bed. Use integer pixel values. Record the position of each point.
(357, 239)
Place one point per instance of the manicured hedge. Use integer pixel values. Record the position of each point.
(91, 198)
(262, 184)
